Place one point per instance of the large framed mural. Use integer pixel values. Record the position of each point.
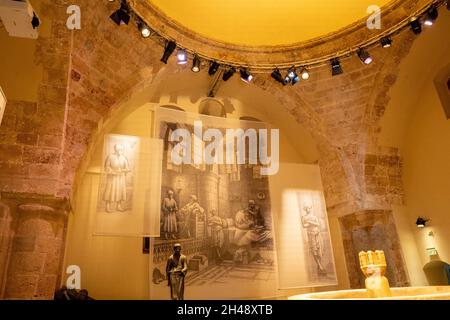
(221, 216)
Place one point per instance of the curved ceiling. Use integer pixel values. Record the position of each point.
(265, 22)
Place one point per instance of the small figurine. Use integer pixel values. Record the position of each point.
(176, 271)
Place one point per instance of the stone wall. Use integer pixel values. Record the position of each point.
(373, 230)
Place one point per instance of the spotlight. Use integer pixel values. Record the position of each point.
(364, 56)
(431, 16)
(305, 74)
(144, 29)
(35, 21)
(421, 222)
(121, 16)
(228, 74)
(170, 48)
(213, 68)
(245, 75)
(276, 74)
(287, 79)
(295, 79)
(196, 64)
(336, 68)
(182, 57)
(291, 72)
(292, 76)
(416, 26)
(386, 42)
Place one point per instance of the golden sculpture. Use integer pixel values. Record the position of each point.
(373, 265)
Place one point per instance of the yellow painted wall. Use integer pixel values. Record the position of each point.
(19, 73)
(415, 123)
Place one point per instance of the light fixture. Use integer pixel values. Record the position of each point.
(364, 56)
(182, 57)
(416, 26)
(144, 29)
(421, 222)
(35, 21)
(287, 79)
(336, 68)
(304, 74)
(295, 79)
(213, 68)
(276, 74)
(292, 76)
(386, 42)
(228, 74)
(196, 64)
(170, 48)
(121, 16)
(246, 76)
(291, 72)
(431, 16)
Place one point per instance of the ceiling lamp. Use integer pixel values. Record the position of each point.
(416, 26)
(196, 64)
(228, 74)
(121, 16)
(291, 72)
(386, 42)
(421, 222)
(364, 56)
(182, 57)
(276, 74)
(213, 68)
(144, 29)
(246, 76)
(431, 16)
(170, 48)
(295, 79)
(336, 68)
(304, 74)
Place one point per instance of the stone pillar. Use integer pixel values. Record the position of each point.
(6, 233)
(37, 251)
(373, 230)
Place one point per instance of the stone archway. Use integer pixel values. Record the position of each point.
(45, 142)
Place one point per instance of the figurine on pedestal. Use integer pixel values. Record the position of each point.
(176, 271)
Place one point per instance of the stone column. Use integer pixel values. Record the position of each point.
(6, 233)
(37, 251)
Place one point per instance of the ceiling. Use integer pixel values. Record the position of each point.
(265, 22)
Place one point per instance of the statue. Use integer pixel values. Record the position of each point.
(116, 168)
(373, 265)
(170, 209)
(311, 223)
(190, 211)
(176, 271)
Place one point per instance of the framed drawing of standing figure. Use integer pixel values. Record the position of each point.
(116, 185)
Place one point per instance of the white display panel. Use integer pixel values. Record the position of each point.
(303, 243)
(128, 194)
